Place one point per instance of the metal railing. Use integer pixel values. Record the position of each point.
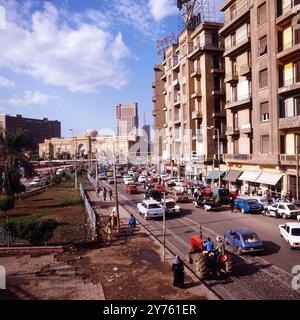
(238, 13)
(240, 98)
(238, 41)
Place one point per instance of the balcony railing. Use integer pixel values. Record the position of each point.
(239, 99)
(289, 82)
(287, 8)
(177, 100)
(238, 157)
(238, 41)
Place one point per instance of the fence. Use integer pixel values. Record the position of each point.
(92, 181)
(90, 211)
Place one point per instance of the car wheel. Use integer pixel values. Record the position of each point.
(284, 216)
(291, 247)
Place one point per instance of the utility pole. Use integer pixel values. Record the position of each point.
(297, 167)
(116, 187)
(164, 229)
(97, 168)
(219, 160)
(75, 163)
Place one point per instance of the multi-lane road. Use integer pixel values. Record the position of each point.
(264, 276)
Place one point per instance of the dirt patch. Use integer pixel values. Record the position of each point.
(129, 269)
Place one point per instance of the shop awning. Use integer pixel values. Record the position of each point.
(232, 175)
(250, 176)
(269, 178)
(214, 175)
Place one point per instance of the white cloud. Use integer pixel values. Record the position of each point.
(30, 98)
(161, 9)
(79, 55)
(6, 83)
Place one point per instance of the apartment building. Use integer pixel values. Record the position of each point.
(37, 129)
(127, 119)
(158, 100)
(194, 100)
(262, 84)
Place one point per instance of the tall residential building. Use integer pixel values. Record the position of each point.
(158, 110)
(37, 129)
(194, 100)
(262, 65)
(127, 119)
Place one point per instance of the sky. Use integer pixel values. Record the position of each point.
(75, 60)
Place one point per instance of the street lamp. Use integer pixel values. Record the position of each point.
(218, 141)
(75, 154)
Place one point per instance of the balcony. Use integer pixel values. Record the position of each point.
(287, 12)
(246, 128)
(165, 92)
(242, 101)
(230, 131)
(165, 108)
(218, 92)
(245, 70)
(196, 115)
(153, 84)
(155, 113)
(288, 123)
(240, 45)
(289, 85)
(288, 159)
(218, 70)
(175, 84)
(222, 137)
(196, 50)
(176, 63)
(288, 51)
(154, 99)
(237, 157)
(164, 77)
(221, 114)
(177, 101)
(196, 73)
(231, 78)
(231, 21)
(196, 95)
(177, 120)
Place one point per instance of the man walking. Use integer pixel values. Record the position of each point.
(131, 224)
(110, 193)
(178, 270)
(104, 193)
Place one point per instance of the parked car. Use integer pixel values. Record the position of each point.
(222, 194)
(119, 175)
(111, 180)
(150, 209)
(248, 205)
(265, 202)
(179, 196)
(129, 181)
(148, 185)
(244, 240)
(131, 189)
(102, 176)
(291, 233)
(110, 173)
(36, 182)
(284, 210)
(142, 179)
(153, 194)
(171, 206)
(159, 188)
(207, 203)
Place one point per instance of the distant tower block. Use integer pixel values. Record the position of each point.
(195, 12)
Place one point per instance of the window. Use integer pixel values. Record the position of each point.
(262, 46)
(183, 70)
(235, 121)
(184, 89)
(263, 78)
(261, 13)
(234, 67)
(265, 144)
(234, 93)
(233, 40)
(264, 111)
(290, 107)
(232, 12)
(218, 106)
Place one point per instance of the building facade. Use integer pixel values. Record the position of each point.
(38, 130)
(262, 62)
(194, 100)
(127, 120)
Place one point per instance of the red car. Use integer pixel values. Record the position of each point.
(131, 188)
(207, 192)
(159, 188)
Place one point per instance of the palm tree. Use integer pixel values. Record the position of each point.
(12, 159)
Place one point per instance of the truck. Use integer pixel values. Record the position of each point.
(150, 209)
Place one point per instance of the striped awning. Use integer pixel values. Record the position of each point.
(215, 174)
(250, 176)
(269, 178)
(232, 175)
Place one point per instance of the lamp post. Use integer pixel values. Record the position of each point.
(75, 154)
(116, 186)
(218, 142)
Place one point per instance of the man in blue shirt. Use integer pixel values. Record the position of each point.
(131, 224)
(209, 245)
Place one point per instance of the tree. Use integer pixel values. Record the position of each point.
(13, 160)
(6, 203)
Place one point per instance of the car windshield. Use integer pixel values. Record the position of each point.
(252, 202)
(154, 206)
(291, 207)
(251, 237)
(295, 232)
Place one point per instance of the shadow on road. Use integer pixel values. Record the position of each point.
(270, 248)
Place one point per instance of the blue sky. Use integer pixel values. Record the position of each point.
(74, 60)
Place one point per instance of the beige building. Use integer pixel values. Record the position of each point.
(194, 99)
(262, 65)
(87, 146)
(127, 119)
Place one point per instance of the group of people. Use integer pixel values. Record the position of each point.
(103, 192)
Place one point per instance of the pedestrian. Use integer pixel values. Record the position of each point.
(231, 202)
(259, 192)
(220, 248)
(110, 193)
(131, 224)
(178, 270)
(104, 193)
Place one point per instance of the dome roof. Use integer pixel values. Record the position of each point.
(91, 133)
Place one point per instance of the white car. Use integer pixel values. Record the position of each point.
(142, 179)
(283, 209)
(150, 209)
(171, 206)
(111, 180)
(291, 233)
(128, 181)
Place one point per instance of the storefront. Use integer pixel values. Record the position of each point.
(214, 176)
(232, 181)
(248, 179)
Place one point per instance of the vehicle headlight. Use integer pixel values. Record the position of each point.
(177, 208)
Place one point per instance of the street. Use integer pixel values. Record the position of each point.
(264, 276)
